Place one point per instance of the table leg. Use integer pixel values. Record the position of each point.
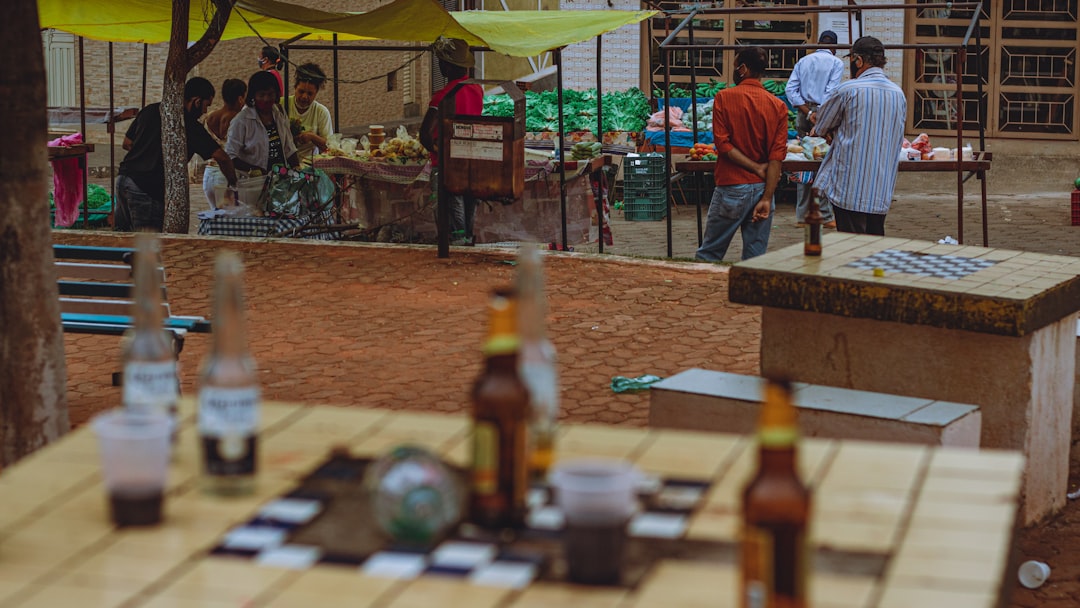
(985, 224)
(86, 190)
(698, 178)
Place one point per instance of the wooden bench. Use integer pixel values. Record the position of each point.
(96, 286)
(704, 400)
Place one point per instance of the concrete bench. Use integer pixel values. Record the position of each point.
(704, 400)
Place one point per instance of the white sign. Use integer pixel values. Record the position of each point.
(472, 131)
(837, 22)
(476, 150)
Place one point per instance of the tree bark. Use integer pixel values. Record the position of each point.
(173, 140)
(33, 376)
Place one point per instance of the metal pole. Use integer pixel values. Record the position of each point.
(666, 61)
(82, 129)
(601, 184)
(285, 77)
(337, 87)
(111, 130)
(145, 53)
(961, 58)
(693, 56)
(559, 150)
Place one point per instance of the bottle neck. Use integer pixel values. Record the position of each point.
(147, 290)
(777, 458)
(230, 333)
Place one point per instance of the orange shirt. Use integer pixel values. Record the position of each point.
(753, 120)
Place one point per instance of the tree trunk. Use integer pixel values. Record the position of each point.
(33, 377)
(173, 140)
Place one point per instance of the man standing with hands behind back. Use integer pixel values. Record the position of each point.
(865, 119)
(813, 81)
(750, 132)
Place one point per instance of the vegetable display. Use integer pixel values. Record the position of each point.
(622, 110)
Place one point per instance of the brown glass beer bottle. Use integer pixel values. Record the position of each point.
(814, 220)
(499, 476)
(776, 509)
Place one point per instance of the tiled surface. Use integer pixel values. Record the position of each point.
(945, 517)
(973, 288)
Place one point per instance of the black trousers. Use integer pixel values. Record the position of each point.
(859, 222)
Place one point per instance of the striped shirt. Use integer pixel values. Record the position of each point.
(753, 120)
(868, 116)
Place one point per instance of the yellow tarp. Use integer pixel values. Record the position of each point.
(516, 33)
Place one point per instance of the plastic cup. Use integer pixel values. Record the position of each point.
(135, 464)
(1033, 574)
(597, 499)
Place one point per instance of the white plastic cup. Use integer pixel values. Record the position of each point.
(1033, 574)
(134, 463)
(592, 490)
(597, 498)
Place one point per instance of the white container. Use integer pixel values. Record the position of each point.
(595, 491)
(942, 154)
(248, 192)
(1033, 574)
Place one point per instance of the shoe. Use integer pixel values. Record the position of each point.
(830, 225)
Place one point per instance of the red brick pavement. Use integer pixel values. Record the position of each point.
(396, 327)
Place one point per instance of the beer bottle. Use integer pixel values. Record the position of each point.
(814, 220)
(775, 509)
(151, 382)
(500, 425)
(536, 362)
(229, 391)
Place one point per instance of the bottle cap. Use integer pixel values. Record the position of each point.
(1033, 574)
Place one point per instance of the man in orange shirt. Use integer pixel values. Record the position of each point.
(750, 132)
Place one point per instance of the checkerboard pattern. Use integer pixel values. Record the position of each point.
(923, 264)
(664, 510)
(218, 224)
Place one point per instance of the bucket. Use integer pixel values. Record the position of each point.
(248, 191)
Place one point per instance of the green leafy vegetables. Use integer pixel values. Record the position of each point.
(622, 110)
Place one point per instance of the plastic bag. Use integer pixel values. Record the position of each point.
(815, 148)
(298, 192)
(622, 384)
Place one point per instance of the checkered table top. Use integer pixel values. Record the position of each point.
(922, 264)
(260, 227)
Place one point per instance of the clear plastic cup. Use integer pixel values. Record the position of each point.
(1033, 574)
(134, 463)
(597, 498)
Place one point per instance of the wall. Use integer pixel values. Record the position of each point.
(621, 52)
(127, 73)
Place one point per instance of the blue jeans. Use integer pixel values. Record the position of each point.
(731, 209)
(136, 210)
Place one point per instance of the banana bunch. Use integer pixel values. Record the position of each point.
(586, 150)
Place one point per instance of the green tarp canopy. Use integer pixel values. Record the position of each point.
(514, 33)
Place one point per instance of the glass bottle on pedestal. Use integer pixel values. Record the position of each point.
(229, 391)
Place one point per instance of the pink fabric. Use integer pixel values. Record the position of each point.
(69, 186)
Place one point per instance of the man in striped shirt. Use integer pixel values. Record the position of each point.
(865, 118)
(750, 132)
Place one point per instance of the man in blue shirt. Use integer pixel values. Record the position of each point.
(865, 118)
(813, 80)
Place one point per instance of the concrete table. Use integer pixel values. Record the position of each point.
(989, 327)
(933, 527)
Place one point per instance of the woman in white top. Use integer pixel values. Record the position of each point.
(313, 116)
(259, 136)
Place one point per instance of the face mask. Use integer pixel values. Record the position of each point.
(854, 69)
(736, 77)
(264, 106)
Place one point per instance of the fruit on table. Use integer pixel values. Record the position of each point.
(702, 151)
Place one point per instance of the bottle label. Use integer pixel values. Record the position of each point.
(774, 566)
(150, 386)
(485, 470)
(228, 412)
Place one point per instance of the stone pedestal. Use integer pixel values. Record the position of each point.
(989, 327)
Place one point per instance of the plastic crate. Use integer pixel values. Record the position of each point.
(646, 165)
(644, 182)
(645, 209)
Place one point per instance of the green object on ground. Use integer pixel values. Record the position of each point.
(98, 201)
(622, 384)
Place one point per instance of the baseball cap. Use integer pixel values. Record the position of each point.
(828, 37)
(867, 46)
